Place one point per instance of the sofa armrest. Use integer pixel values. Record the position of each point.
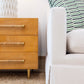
(56, 35)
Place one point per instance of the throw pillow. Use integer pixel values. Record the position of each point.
(75, 41)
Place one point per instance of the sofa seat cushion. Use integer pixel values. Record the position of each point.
(74, 59)
(75, 41)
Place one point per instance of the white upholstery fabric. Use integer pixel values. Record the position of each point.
(56, 41)
(56, 24)
(74, 59)
(75, 41)
(47, 70)
(65, 69)
(67, 74)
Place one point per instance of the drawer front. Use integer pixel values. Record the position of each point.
(19, 26)
(18, 61)
(19, 43)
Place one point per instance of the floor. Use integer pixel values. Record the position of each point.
(20, 77)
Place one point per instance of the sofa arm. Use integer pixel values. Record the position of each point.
(56, 35)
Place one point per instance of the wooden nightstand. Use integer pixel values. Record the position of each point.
(19, 43)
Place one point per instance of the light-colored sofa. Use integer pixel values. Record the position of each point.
(61, 68)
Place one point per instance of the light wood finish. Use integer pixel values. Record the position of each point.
(30, 26)
(12, 26)
(19, 43)
(30, 43)
(28, 73)
(26, 60)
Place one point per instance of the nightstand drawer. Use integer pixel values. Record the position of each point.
(19, 26)
(18, 60)
(19, 43)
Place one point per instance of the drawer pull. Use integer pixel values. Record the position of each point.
(11, 43)
(22, 61)
(12, 26)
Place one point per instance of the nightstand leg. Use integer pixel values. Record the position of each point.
(28, 73)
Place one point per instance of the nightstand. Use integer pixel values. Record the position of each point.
(19, 43)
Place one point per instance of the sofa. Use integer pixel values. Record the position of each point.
(62, 67)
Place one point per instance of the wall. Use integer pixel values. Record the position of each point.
(36, 9)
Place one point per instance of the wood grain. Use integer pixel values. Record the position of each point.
(19, 43)
(30, 44)
(30, 61)
(30, 26)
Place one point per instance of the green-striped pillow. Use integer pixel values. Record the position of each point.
(75, 13)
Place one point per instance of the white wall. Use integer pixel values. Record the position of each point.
(36, 9)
